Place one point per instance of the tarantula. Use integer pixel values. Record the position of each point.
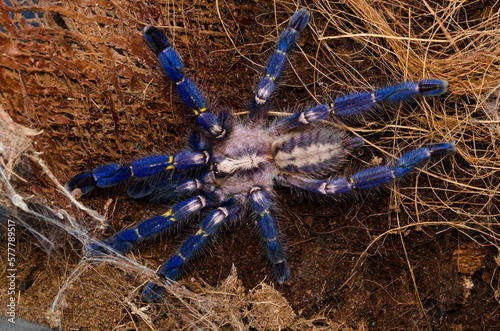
(230, 164)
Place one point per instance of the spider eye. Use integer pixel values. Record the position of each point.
(215, 168)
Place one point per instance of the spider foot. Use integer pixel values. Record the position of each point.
(84, 181)
(281, 271)
(107, 247)
(432, 87)
(106, 175)
(153, 292)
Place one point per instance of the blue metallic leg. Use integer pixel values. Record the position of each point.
(163, 190)
(125, 240)
(111, 174)
(261, 204)
(374, 176)
(364, 101)
(287, 40)
(172, 269)
(174, 68)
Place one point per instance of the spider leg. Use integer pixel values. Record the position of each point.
(287, 40)
(173, 267)
(375, 176)
(111, 174)
(125, 240)
(171, 63)
(261, 204)
(162, 190)
(364, 101)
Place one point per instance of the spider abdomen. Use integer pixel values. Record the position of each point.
(315, 152)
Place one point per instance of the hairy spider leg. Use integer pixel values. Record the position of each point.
(125, 240)
(167, 186)
(287, 40)
(162, 189)
(364, 101)
(261, 204)
(111, 174)
(172, 269)
(375, 176)
(172, 64)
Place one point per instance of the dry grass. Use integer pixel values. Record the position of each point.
(426, 41)
(80, 90)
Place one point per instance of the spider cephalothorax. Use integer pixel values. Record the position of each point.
(230, 165)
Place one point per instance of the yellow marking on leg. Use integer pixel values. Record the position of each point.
(200, 231)
(272, 77)
(169, 214)
(332, 106)
(169, 166)
(170, 163)
(198, 112)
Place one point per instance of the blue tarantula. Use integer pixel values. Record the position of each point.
(230, 165)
